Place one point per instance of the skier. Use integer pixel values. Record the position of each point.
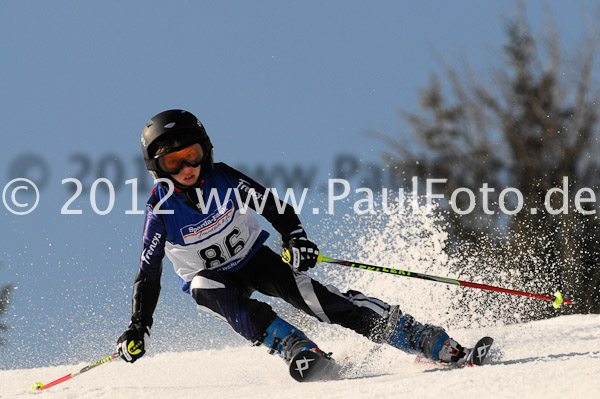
(219, 255)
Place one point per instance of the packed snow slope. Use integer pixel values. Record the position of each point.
(556, 358)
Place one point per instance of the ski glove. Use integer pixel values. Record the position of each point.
(132, 344)
(301, 253)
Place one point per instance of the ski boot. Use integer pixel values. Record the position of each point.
(405, 333)
(306, 361)
(454, 353)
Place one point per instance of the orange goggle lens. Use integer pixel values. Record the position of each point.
(172, 162)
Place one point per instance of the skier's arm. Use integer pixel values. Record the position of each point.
(146, 287)
(132, 344)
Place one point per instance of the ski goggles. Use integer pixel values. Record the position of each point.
(173, 161)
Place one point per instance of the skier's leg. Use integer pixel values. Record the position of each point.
(368, 316)
(271, 276)
(222, 296)
(229, 299)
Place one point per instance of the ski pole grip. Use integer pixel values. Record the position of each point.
(286, 256)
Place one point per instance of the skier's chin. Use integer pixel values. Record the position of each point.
(188, 178)
(189, 182)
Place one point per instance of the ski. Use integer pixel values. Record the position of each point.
(475, 357)
(313, 365)
(480, 351)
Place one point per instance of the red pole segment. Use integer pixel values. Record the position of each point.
(557, 300)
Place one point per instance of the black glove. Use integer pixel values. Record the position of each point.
(132, 344)
(301, 253)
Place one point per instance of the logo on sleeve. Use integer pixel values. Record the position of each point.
(149, 251)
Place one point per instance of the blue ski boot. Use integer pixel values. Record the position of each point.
(405, 333)
(306, 361)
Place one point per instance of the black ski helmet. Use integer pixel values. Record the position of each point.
(174, 124)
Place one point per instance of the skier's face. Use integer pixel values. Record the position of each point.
(188, 175)
(183, 164)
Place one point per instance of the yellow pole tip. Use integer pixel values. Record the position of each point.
(37, 386)
(558, 300)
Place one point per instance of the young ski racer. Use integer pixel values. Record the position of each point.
(220, 258)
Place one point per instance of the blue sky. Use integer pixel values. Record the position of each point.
(274, 82)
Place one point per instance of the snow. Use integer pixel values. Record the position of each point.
(558, 357)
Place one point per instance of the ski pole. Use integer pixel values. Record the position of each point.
(39, 386)
(557, 299)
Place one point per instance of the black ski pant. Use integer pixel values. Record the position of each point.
(227, 295)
